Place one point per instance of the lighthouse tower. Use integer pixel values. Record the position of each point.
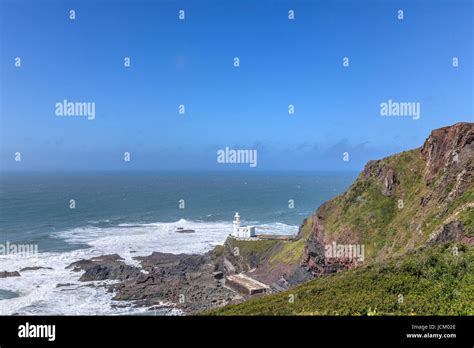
(242, 231)
(235, 231)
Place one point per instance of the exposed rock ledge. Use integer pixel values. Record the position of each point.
(186, 282)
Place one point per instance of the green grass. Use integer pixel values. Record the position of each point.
(467, 217)
(273, 251)
(255, 247)
(432, 281)
(290, 253)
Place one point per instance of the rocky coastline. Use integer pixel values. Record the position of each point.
(183, 282)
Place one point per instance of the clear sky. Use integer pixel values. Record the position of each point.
(190, 62)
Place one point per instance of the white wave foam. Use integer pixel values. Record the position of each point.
(130, 240)
(38, 290)
(39, 294)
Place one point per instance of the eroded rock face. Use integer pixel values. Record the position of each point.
(313, 259)
(390, 182)
(449, 154)
(384, 175)
(314, 262)
(447, 233)
(448, 147)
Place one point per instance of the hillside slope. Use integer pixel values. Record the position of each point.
(432, 281)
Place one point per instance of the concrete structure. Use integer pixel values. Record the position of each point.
(245, 285)
(242, 231)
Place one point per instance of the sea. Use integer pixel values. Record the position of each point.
(59, 218)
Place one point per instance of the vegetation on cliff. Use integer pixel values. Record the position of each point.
(431, 281)
(397, 203)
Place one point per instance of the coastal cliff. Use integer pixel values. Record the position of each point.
(413, 214)
(401, 202)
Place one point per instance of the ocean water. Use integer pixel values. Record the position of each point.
(133, 214)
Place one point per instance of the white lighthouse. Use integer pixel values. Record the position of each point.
(236, 224)
(242, 231)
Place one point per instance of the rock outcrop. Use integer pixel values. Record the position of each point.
(450, 149)
(314, 260)
(105, 267)
(166, 281)
(6, 274)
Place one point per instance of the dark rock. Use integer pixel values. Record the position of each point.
(218, 275)
(33, 268)
(313, 257)
(114, 272)
(389, 182)
(448, 153)
(384, 175)
(105, 267)
(6, 274)
(183, 281)
(182, 230)
(450, 232)
(63, 284)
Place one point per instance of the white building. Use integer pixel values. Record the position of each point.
(242, 231)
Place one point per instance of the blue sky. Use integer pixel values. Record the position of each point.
(190, 62)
